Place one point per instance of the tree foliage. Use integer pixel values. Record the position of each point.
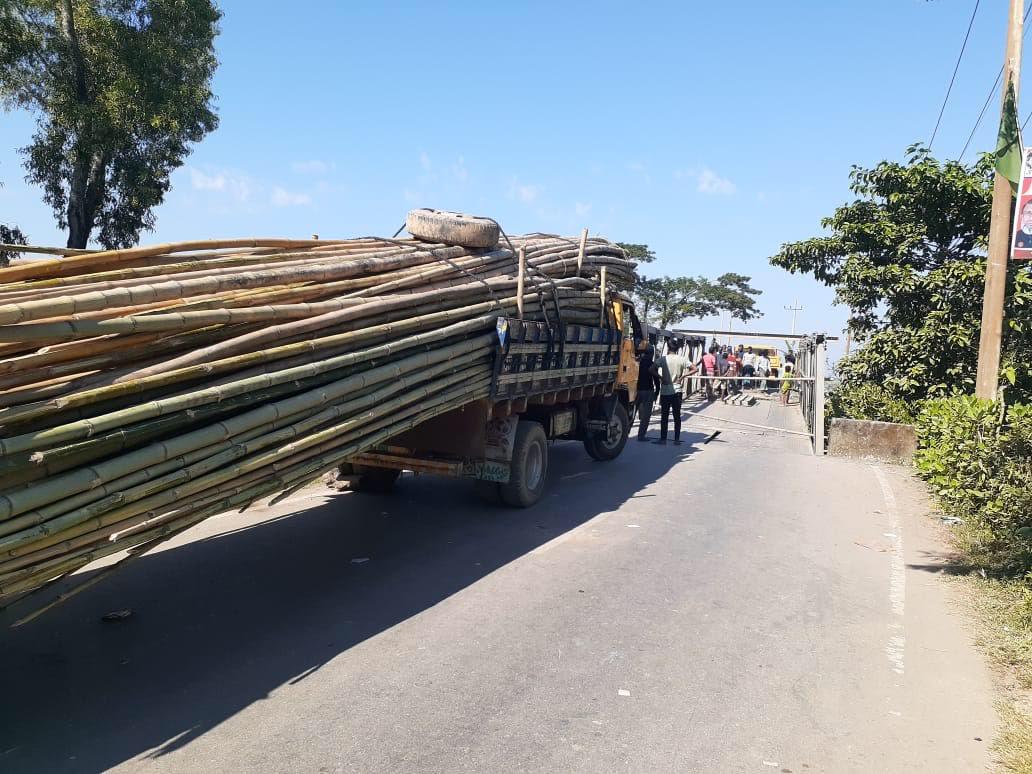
(668, 300)
(10, 235)
(907, 257)
(120, 88)
(977, 457)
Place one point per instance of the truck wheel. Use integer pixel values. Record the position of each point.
(529, 466)
(607, 446)
(452, 228)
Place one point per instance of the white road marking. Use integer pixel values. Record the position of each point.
(896, 646)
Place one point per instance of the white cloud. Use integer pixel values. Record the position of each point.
(238, 186)
(424, 162)
(582, 208)
(527, 194)
(709, 182)
(282, 198)
(312, 167)
(203, 182)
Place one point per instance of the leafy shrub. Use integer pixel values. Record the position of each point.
(977, 457)
(865, 400)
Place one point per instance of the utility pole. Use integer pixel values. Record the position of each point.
(793, 310)
(991, 333)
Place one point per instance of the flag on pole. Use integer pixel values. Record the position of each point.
(1008, 144)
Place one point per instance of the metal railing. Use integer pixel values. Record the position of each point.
(810, 366)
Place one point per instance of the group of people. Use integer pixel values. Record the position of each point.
(740, 368)
(666, 376)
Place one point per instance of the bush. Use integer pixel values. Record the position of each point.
(977, 456)
(865, 400)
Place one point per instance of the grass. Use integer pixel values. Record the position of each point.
(1004, 610)
(1014, 743)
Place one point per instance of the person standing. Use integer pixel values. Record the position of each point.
(762, 369)
(748, 367)
(786, 381)
(648, 386)
(733, 363)
(709, 368)
(722, 362)
(671, 369)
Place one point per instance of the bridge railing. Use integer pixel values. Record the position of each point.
(810, 365)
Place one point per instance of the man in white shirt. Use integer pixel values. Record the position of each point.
(748, 367)
(762, 365)
(671, 369)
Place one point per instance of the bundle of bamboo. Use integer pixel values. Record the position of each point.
(144, 390)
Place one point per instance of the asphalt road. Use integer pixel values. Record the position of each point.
(737, 606)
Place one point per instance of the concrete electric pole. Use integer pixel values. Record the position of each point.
(793, 309)
(991, 333)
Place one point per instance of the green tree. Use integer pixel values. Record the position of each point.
(120, 88)
(907, 257)
(733, 293)
(668, 300)
(10, 235)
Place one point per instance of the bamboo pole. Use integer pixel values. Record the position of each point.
(580, 250)
(68, 265)
(177, 381)
(520, 279)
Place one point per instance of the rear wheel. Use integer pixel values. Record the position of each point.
(529, 466)
(608, 445)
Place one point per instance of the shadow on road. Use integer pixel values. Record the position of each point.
(222, 622)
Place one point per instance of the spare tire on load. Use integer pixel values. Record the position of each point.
(452, 228)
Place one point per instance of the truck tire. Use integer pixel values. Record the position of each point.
(529, 466)
(452, 228)
(605, 447)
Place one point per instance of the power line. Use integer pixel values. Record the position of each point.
(992, 90)
(953, 78)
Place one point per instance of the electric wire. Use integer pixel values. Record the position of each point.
(953, 78)
(992, 91)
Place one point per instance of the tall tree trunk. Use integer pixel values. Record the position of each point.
(81, 210)
(85, 195)
(74, 50)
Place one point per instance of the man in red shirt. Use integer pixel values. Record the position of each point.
(709, 368)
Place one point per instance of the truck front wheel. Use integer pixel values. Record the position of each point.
(608, 445)
(529, 466)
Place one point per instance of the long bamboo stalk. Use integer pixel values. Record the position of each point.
(144, 390)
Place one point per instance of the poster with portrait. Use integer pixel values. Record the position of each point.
(1021, 243)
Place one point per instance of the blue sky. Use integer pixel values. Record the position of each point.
(714, 132)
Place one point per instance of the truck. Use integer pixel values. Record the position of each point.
(551, 381)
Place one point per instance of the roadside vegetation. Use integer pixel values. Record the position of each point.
(907, 257)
